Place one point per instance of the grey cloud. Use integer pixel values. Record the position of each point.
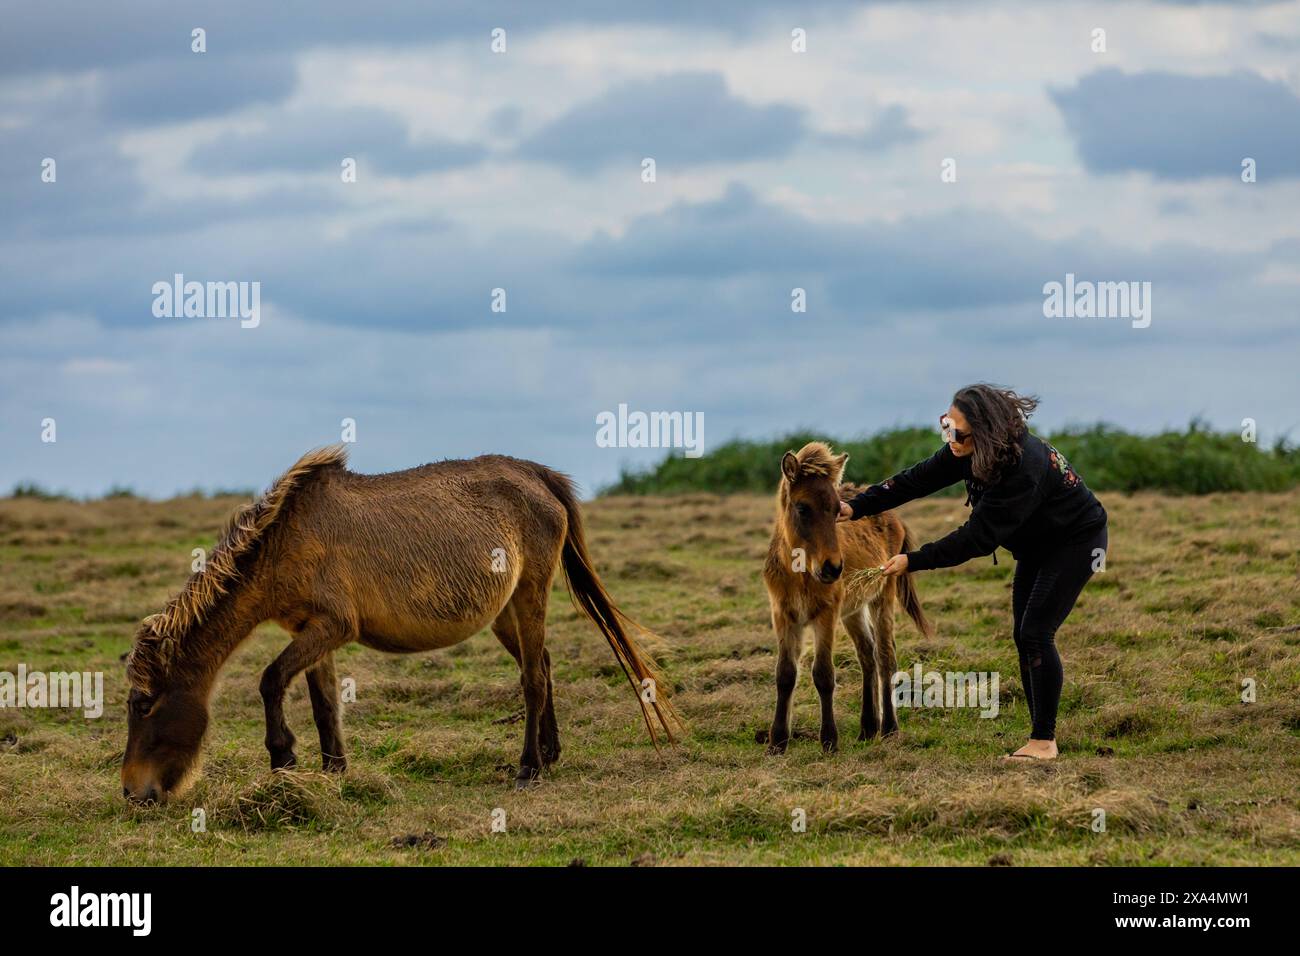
(952, 261)
(1181, 127)
(683, 118)
(92, 35)
(698, 271)
(891, 128)
(194, 86)
(688, 119)
(79, 35)
(319, 140)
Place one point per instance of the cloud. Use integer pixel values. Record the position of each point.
(193, 86)
(77, 35)
(892, 127)
(680, 119)
(99, 194)
(961, 259)
(696, 272)
(318, 140)
(691, 119)
(1182, 127)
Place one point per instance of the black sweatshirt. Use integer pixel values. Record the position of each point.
(1038, 504)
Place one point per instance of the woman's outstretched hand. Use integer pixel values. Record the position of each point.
(895, 565)
(846, 513)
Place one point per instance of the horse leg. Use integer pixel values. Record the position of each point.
(323, 686)
(549, 736)
(789, 646)
(319, 637)
(527, 616)
(857, 624)
(882, 628)
(824, 676)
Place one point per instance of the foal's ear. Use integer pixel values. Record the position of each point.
(790, 466)
(840, 462)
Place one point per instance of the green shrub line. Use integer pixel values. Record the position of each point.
(1194, 461)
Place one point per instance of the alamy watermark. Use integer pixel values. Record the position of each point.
(1098, 300)
(920, 688)
(58, 689)
(626, 429)
(133, 911)
(208, 300)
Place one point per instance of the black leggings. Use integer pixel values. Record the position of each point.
(1042, 596)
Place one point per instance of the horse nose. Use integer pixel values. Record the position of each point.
(831, 572)
(149, 795)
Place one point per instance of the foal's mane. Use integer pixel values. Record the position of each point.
(155, 646)
(817, 458)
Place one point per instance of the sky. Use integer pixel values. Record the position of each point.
(920, 170)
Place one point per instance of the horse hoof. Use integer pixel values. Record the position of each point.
(335, 764)
(284, 760)
(528, 777)
(830, 746)
(776, 748)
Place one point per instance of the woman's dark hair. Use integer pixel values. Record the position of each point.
(997, 418)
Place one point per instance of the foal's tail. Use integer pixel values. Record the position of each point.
(591, 598)
(907, 589)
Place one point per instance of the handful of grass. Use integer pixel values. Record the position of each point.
(863, 577)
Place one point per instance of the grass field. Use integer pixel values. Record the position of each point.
(1200, 593)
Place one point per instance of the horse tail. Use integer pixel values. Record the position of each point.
(907, 589)
(590, 597)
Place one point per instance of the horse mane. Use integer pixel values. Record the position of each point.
(155, 646)
(817, 458)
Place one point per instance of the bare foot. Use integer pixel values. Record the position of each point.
(1034, 750)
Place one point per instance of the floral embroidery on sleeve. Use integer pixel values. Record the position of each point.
(1060, 464)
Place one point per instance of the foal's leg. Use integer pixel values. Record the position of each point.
(857, 624)
(789, 634)
(323, 685)
(824, 676)
(882, 628)
(319, 637)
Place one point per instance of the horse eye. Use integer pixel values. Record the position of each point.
(140, 706)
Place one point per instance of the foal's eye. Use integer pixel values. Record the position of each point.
(141, 706)
(803, 510)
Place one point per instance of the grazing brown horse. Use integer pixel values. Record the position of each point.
(403, 562)
(809, 574)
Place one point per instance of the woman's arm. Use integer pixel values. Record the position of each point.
(1002, 509)
(924, 478)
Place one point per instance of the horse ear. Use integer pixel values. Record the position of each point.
(840, 462)
(790, 466)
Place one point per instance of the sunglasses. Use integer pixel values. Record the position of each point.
(950, 432)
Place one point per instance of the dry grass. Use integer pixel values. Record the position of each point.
(1200, 593)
